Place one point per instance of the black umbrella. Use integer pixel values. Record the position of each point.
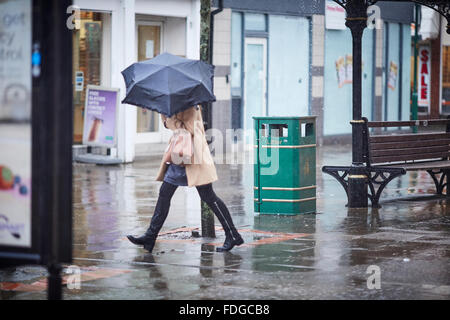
(169, 84)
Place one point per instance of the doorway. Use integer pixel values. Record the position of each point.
(149, 44)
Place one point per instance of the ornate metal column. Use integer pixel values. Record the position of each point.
(356, 21)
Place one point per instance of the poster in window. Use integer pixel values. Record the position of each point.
(340, 71)
(349, 68)
(393, 74)
(100, 116)
(15, 123)
(344, 70)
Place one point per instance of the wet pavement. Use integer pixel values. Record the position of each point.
(328, 255)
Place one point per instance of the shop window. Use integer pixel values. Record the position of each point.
(88, 47)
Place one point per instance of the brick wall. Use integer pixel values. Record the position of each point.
(221, 109)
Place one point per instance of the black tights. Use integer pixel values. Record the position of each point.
(207, 195)
(205, 192)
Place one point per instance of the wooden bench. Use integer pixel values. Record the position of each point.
(390, 155)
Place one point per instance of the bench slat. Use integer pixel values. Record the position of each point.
(407, 152)
(409, 144)
(398, 158)
(408, 137)
(421, 123)
(424, 165)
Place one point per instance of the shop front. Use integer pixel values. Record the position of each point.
(114, 34)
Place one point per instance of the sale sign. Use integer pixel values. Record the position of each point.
(424, 76)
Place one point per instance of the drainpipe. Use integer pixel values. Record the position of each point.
(211, 28)
(210, 54)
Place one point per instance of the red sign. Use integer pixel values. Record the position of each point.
(424, 76)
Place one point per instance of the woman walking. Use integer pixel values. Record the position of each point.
(201, 172)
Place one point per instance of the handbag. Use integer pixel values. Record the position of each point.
(180, 148)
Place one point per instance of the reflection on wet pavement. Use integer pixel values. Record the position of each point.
(319, 256)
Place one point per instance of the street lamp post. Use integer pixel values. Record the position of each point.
(356, 21)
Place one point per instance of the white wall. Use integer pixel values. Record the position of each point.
(168, 8)
(188, 9)
(173, 29)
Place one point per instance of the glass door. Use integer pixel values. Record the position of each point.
(149, 43)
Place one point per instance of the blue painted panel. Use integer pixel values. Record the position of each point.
(393, 86)
(392, 35)
(288, 77)
(406, 72)
(337, 94)
(338, 84)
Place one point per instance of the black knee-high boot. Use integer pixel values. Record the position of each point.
(159, 216)
(232, 236)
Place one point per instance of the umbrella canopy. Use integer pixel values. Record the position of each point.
(169, 84)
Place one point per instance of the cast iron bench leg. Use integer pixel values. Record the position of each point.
(381, 176)
(442, 181)
(340, 174)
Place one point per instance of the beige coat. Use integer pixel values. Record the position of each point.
(202, 170)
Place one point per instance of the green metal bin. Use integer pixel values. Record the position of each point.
(285, 165)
